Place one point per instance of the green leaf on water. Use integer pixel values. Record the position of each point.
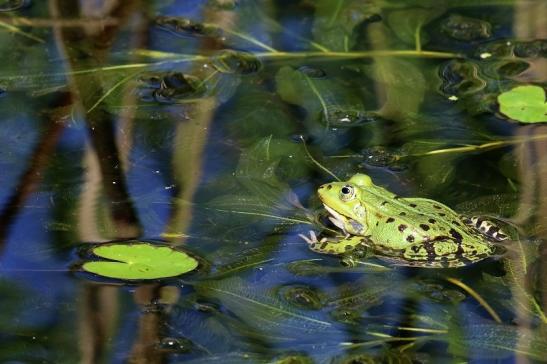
(491, 340)
(336, 20)
(525, 104)
(332, 101)
(139, 261)
(261, 308)
(407, 24)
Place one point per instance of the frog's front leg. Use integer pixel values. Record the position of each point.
(485, 227)
(333, 246)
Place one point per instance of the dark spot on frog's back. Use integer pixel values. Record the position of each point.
(383, 203)
(410, 238)
(412, 205)
(456, 235)
(402, 213)
(329, 187)
(390, 219)
(432, 221)
(424, 227)
(437, 206)
(402, 227)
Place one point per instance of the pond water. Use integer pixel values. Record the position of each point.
(208, 126)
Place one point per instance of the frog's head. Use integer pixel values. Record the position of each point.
(343, 201)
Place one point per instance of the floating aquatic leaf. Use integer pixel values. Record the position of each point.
(512, 68)
(380, 156)
(335, 22)
(339, 117)
(332, 101)
(536, 48)
(388, 355)
(317, 267)
(293, 359)
(366, 292)
(525, 104)
(229, 262)
(139, 260)
(461, 78)
(229, 61)
(261, 309)
(466, 29)
(531, 49)
(253, 110)
(407, 23)
(12, 5)
(175, 345)
(170, 88)
(518, 264)
(260, 200)
(402, 84)
(301, 297)
(188, 26)
(312, 72)
(478, 338)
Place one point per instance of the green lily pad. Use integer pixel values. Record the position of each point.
(525, 104)
(139, 261)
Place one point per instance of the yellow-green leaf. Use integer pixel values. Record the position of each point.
(525, 104)
(138, 260)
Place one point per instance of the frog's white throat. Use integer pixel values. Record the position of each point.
(337, 219)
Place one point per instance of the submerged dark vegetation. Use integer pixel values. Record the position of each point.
(207, 126)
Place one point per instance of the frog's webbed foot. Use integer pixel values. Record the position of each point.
(326, 246)
(485, 227)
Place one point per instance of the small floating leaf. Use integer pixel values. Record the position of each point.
(170, 88)
(335, 102)
(379, 156)
(466, 29)
(312, 72)
(188, 26)
(525, 104)
(12, 5)
(229, 61)
(139, 261)
(301, 297)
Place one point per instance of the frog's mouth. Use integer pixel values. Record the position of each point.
(337, 219)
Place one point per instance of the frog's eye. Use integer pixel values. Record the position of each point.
(347, 193)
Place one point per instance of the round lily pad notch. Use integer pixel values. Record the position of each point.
(139, 261)
(524, 103)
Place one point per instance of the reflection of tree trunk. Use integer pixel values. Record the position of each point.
(530, 23)
(532, 158)
(33, 175)
(189, 143)
(145, 347)
(97, 318)
(88, 46)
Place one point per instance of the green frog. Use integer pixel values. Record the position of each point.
(408, 231)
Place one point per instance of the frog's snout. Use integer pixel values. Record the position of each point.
(324, 190)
